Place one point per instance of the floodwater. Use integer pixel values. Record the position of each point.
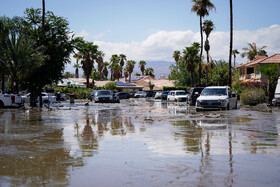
(139, 142)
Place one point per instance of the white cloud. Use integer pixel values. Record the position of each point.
(83, 34)
(161, 45)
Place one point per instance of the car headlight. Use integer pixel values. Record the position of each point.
(96, 99)
(223, 102)
(198, 102)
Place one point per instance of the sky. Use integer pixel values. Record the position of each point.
(152, 30)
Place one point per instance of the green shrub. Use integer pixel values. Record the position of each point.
(252, 96)
(111, 86)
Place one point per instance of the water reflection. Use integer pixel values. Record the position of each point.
(32, 155)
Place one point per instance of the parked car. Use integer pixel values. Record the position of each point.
(194, 94)
(158, 95)
(150, 93)
(123, 95)
(47, 98)
(276, 100)
(104, 96)
(164, 95)
(10, 100)
(216, 97)
(177, 95)
(140, 94)
(60, 96)
(92, 95)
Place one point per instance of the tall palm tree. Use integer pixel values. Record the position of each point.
(105, 69)
(142, 65)
(122, 59)
(176, 56)
(100, 56)
(114, 60)
(191, 58)
(208, 27)
(234, 53)
(230, 45)
(129, 67)
(201, 8)
(88, 52)
(253, 51)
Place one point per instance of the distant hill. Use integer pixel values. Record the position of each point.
(160, 68)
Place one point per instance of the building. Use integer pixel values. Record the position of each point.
(249, 71)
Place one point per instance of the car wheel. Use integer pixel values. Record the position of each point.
(1, 104)
(197, 109)
(228, 106)
(46, 101)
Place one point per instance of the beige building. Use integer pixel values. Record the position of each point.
(249, 71)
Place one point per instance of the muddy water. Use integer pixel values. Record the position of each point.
(139, 143)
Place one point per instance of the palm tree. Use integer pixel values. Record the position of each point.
(201, 8)
(105, 69)
(191, 58)
(122, 59)
(114, 60)
(21, 57)
(100, 56)
(149, 71)
(176, 56)
(88, 52)
(230, 45)
(142, 65)
(129, 67)
(208, 27)
(234, 53)
(253, 51)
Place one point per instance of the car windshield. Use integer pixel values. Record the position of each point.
(103, 93)
(214, 91)
(181, 93)
(140, 92)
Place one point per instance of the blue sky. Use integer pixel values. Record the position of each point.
(153, 29)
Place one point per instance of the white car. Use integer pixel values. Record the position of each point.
(10, 100)
(46, 98)
(177, 95)
(216, 97)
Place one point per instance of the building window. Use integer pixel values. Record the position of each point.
(250, 70)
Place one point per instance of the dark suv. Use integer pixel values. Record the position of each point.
(194, 94)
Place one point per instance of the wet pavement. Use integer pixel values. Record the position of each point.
(139, 142)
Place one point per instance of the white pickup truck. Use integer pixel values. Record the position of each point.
(216, 97)
(10, 100)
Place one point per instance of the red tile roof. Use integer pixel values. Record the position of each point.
(274, 59)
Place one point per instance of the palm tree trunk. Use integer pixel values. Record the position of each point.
(207, 68)
(201, 51)
(230, 45)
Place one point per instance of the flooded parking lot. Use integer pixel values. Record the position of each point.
(139, 142)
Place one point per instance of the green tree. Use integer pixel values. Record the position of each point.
(208, 27)
(149, 71)
(130, 67)
(88, 52)
(252, 51)
(142, 65)
(21, 57)
(100, 56)
(191, 58)
(219, 74)
(122, 60)
(201, 8)
(272, 74)
(114, 60)
(111, 86)
(105, 70)
(234, 53)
